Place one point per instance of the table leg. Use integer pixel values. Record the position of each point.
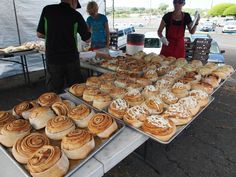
(23, 68)
(44, 65)
(27, 70)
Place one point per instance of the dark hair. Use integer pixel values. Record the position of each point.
(179, 1)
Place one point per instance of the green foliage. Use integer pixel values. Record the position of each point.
(162, 8)
(230, 11)
(219, 9)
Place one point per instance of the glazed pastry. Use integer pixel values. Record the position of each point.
(163, 84)
(201, 96)
(77, 89)
(118, 108)
(47, 99)
(150, 91)
(102, 125)
(156, 125)
(58, 127)
(134, 97)
(151, 75)
(13, 131)
(93, 82)
(63, 107)
(5, 117)
(117, 92)
(81, 115)
(102, 101)
(107, 87)
(191, 104)
(78, 144)
(48, 161)
(24, 147)
(22, 107)
(40, 116)
(154, 105)
(135, 116)
(212, 79)
(192, 77)
(89, 93)
(202, 86)
(133, 85)
(180, 90)
(177, 73)
(179, 114)
(163, 70)
(168, 97)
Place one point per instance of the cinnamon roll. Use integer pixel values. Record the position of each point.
(134, 97)
(108, 77)
(150, 91)
(40, 116)
(191, 104)
(179, 114)
(24, 147)
(107, 87)
(81, 115)
(121, 82)
(202, 86)
(168, 97)
(102, 101)
(154, 105)
(160, 127)
(77, 89)
(47, 99)
(78, 144)
(180, 89)
(93, 81)
(151, 75)
(117, 92)
(22, 107)
(58, 127)
(89, 93)
(62, 107)
(212, 79)
(133, 85)
(163, 70)
(5, 117)
(102, 125)
(118, 108)
(135, 116)
(163, 84)
(48, 161)
(201, 96)
(143, 81)
(13, 131)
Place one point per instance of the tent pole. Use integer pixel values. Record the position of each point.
(113, 13)
(17, 24)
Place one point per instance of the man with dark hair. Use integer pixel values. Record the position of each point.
(59, 25)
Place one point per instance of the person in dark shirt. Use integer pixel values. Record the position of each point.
(175, 23)
(59, 25)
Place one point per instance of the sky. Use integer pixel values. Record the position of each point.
(155, 3)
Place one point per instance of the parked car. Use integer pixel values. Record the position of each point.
(216, 54)
(230, 27)
(208, 26)
(152, 43)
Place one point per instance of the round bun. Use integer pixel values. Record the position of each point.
(40, 116)
(168, 97)
(24, 147)
(13, 131)
(102, 125)
(47, 99)
(191, 104)
(77, 89)
(118, 108)
(94, 81)
(180, 89)
(78, 144)
(81, 114)
(212, 79)
(89, 93)
(22, 107)
(201, 96)
(5, 117)
(48, 161)
(107, 86)
(156, 125)
(102, 101)
(150, 91)
(202, 86)
(62, 107)
(58, 127)
(154, 105)
(134, 97)
(117, 92)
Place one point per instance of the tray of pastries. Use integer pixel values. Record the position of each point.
(54, 135)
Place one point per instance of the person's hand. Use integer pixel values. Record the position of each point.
(164, 40)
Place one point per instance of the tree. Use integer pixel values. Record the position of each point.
(219, 9)
(162, 7)
(230, 11)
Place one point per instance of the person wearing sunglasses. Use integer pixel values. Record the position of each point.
(175, 23)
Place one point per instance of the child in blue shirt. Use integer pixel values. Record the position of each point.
(98, 26)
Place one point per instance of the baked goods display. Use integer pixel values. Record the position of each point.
(13, 131)
(58, 127)
(48, 161)
(118, 108)
(25, 147)
(102, 125)
(47, 99)
(78, 144)
(81, 114)
(160, 127)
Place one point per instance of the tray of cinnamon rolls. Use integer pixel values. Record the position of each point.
(161, 102)
(53, 135)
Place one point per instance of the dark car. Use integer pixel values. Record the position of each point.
(208, 26)
(215, 55)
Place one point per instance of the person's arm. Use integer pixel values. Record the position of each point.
(159, 32)
(191, 28)
(41, 26)
(107, 35)
(83, 29)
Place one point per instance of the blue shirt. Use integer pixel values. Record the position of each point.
(97, 26)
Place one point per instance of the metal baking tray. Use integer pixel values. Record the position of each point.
(74, 164)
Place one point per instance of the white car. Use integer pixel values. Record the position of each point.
(230, 27)
(152, 43)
